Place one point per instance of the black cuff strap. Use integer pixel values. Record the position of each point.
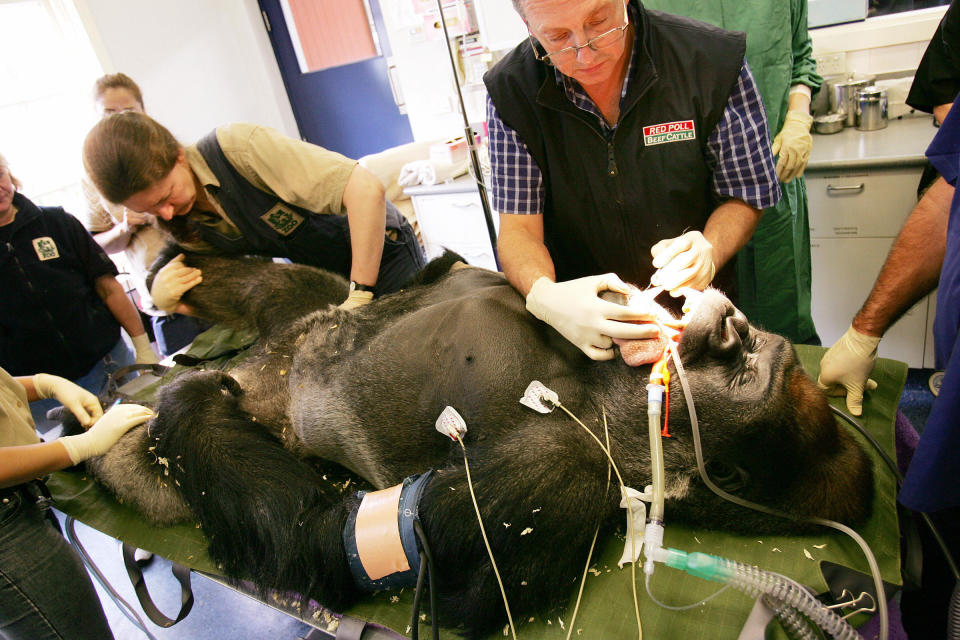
(361, 287)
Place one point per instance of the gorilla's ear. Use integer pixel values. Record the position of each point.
(730, 477)
(229, 384)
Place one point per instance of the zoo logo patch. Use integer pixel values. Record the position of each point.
(46, 248)
(282, 220)
(668, 132)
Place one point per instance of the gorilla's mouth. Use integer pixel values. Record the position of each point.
(640, 352)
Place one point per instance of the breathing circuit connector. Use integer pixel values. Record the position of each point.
(701, 565)
(652, 544)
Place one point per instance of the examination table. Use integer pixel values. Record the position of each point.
(607, 609)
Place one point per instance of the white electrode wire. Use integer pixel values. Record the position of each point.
(600, 444)
(486, 542)
(867, 552)
(596, 532)
(586, 568)
(633, 550)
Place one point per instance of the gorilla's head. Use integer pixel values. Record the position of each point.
(768, 433)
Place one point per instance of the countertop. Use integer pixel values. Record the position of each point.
(901, 144)
(462, 184)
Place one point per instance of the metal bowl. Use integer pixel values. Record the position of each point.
(830, 123)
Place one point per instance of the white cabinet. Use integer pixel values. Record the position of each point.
(854, 217)
(451, 217)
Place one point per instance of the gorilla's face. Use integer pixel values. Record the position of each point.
(747, 366)
(768, 433)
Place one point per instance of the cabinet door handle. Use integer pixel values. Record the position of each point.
(858, 188)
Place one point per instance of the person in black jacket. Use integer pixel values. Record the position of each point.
(626, 145)
(62, 304)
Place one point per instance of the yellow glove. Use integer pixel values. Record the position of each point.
(145, 354)
(105, 432)
(684, 261)
(356, 299)
(80, 402)
(845, 368)
(793, 145)
(172, 281)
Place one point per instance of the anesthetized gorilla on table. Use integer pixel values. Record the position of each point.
(235, 450)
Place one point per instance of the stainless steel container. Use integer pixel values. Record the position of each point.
(830, 123)
(872, 108)
(844, 98)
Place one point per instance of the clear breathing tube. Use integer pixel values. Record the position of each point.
(790, 619)
(756, 582)
(653, 533)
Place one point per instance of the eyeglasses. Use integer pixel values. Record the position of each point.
(568, 54)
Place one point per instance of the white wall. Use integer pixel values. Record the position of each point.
(887, 45)
(199, 64)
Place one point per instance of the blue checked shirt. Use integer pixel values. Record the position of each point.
(738, 150)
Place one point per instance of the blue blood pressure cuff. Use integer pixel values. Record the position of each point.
(379, 539)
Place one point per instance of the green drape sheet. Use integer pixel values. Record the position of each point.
(607, 609)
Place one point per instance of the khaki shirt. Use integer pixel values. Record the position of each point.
(145, 243)
(16, 423)
(294, 171)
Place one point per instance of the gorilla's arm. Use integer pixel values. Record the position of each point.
(257, 293)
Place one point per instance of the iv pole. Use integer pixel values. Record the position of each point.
(471, 144)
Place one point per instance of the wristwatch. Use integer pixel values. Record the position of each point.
(360, 287)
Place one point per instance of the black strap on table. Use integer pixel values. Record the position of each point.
(186, 360)
(180, 572)
(351, 628)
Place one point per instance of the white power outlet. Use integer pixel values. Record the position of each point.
(832, 64)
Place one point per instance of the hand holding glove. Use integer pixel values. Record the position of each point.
(576, 311)
(356, 299)
(105, 432)
(80, 402)
(145, 353)
(171, 282)
(846, 366)
(683, 262)
(793, 145)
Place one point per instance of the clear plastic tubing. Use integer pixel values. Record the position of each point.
(754, 582)
(653, 533)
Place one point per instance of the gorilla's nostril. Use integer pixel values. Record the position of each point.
(727, 340)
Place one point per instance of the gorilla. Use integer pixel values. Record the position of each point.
(246, 452)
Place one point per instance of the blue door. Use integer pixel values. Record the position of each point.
(349, 109)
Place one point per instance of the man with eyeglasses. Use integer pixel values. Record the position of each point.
(623, 144)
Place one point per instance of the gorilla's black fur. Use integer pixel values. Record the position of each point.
(362, 389)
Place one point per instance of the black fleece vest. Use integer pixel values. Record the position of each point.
(609, 200)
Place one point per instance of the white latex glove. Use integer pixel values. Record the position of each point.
(356, 299)
(575, 310)
(172, 281)
(80, 402)
(793, 145)
(684, 261)
(132, 220)
(845, 368)
(145, 353)
(105, 432)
